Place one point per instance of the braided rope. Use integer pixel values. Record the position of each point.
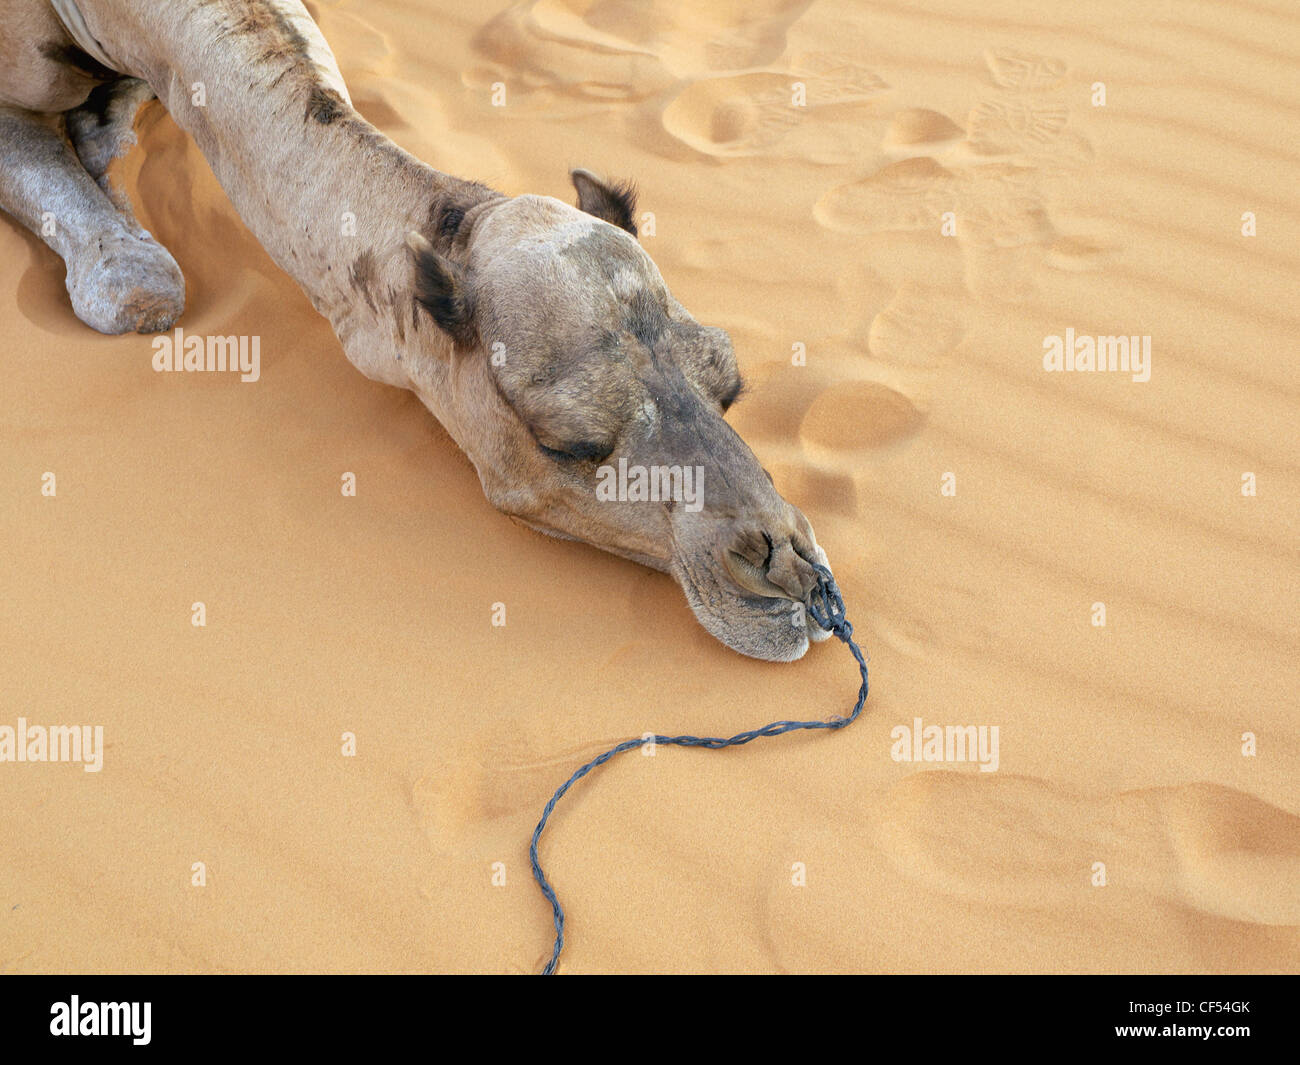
(827, 609)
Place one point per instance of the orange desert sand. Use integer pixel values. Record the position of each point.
(819, 226)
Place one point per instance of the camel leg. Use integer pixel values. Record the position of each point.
(103, 129)
(119, 278)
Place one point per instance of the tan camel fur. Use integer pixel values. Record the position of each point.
(539, 334)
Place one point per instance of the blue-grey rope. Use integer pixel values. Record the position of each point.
(827, 609)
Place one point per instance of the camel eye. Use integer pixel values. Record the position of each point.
(582, 451)
(732, 393)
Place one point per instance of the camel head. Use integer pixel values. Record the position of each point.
(592, 404)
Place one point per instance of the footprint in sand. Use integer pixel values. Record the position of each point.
(689, 38)
(817, 424)
(546, 55)
(1001, 208)
(1023, 120)
(990, 838)
(855, 416)
(912, 331)
(1190, 870)
(991, 180)
(862, 391)
(836, 409)
(1024, 72)
(836, 78)
(816, 489)
(1010, 127)
(918, 131)
(995, 209)
(994, 204)
(1236, 856)
(744, 115)
(898, 358)
(909, 194)
(1021, 841)
(756, 113)
(615, 50)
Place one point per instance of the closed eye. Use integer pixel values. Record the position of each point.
(582, 451)
(733, 393)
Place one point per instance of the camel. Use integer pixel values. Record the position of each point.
(540, 334)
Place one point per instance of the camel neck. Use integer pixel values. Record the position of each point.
(327, 195)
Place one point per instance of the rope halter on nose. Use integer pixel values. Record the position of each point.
(826, 607)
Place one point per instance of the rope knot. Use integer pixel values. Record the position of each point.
(826, 605)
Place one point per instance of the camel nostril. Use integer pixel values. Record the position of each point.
(791, 572)
(745, 573)
(753, 546)
(769, 566)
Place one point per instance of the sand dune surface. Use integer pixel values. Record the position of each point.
(890, 254)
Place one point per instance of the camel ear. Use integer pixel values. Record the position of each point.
(616, 204)
(440, 289)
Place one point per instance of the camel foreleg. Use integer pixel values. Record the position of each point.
(119, 278)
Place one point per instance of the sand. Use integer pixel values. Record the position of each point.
(1127, 826)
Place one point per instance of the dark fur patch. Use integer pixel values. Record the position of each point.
(362, 276)
(589, 449)
(277, 51)
(582, 451)
(399, 320)
(324, 105)
(449, 221)
(447, 212)
(646, 319)
(256, 18)
(622, 206)
(440, 290)
(100, 102)
(732, 394)
(615, 204)
(69, 55)
(281, 44)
